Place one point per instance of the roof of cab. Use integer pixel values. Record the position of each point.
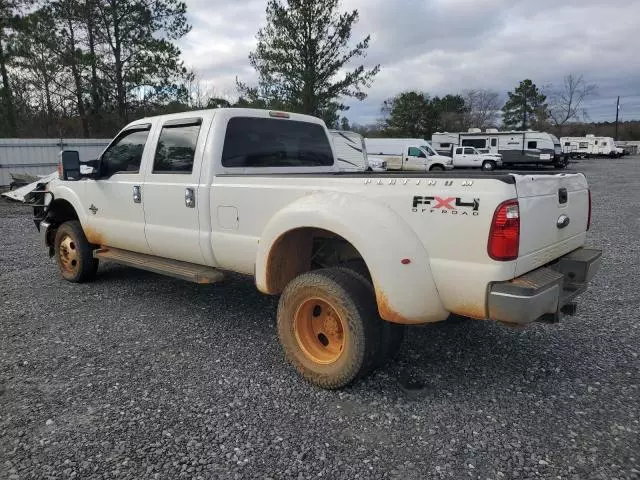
(229, 113)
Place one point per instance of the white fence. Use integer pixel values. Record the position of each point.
(39, 156)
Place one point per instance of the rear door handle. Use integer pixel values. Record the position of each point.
(190, 197)
(137, 196)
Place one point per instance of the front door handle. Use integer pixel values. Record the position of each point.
(190, 197)
(137, 196)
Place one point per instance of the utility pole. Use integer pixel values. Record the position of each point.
(617, 114)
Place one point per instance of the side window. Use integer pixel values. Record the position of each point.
(567, 144)
(177, 146)
(458, 151)
(474, 142)
(468, 151)
(270, 142)
(596, 142)
(414, 152)
(532, 145)
(494, 142)
(445, 145)
(125, 154)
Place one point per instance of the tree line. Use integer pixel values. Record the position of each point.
(87, 67)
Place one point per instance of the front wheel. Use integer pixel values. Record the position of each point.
(328, 327)
(489, 166)
(74, 253)
(437, 168)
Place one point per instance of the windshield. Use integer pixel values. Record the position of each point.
(427, 149)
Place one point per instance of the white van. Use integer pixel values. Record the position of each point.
(407, 154)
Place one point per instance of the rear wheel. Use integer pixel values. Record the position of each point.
(489, 166)
(391, 334)
(74, 253)
(328, 327)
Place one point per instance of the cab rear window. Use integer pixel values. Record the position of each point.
(270, 142)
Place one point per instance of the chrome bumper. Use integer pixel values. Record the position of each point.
(546, 293)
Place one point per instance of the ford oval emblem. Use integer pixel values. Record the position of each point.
(563, 221)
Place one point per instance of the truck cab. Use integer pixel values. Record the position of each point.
(470, 157)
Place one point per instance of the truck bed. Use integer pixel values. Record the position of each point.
(502, 175)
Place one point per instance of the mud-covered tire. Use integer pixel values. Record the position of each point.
(391, 334)
(74, 253)
(349, 299)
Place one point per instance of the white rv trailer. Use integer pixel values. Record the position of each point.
(350, 150)
(516, 147)
(590, 146)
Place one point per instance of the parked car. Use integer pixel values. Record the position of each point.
(353, 256)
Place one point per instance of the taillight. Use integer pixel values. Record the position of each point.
(60, 169)
(589, 217)
(504, 236)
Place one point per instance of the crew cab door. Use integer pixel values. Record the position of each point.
(414, 159)
(472, 157)
(459, 159)
(114, 201)
(171, 190)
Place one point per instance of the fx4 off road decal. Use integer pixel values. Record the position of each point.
(447, 205)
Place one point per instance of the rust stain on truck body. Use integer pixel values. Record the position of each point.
(93, 236)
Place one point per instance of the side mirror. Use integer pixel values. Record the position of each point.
(70, 160)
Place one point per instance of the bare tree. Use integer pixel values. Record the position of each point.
(482, 108)
(565, 103)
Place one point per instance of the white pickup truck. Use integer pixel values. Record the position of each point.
(469, 157)
(353, 256)
(407, 154)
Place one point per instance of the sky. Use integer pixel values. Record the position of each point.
(447, 46)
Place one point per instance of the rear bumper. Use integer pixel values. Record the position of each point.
(544, 294)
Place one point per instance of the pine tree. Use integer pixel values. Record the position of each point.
(525, 106)
(303, 56)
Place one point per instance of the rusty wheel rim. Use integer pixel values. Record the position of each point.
(320, 331)
(68, 254)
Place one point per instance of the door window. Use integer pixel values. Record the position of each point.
(494, 142)
(125, 154)
(532, 145)
(458, 151)
(177, 147)
(468, 151)
(416, 152)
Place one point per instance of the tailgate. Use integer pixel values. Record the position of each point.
(554, 212)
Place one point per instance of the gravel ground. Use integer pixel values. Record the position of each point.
(140, 376)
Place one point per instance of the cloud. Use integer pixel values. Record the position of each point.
(446, 46)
